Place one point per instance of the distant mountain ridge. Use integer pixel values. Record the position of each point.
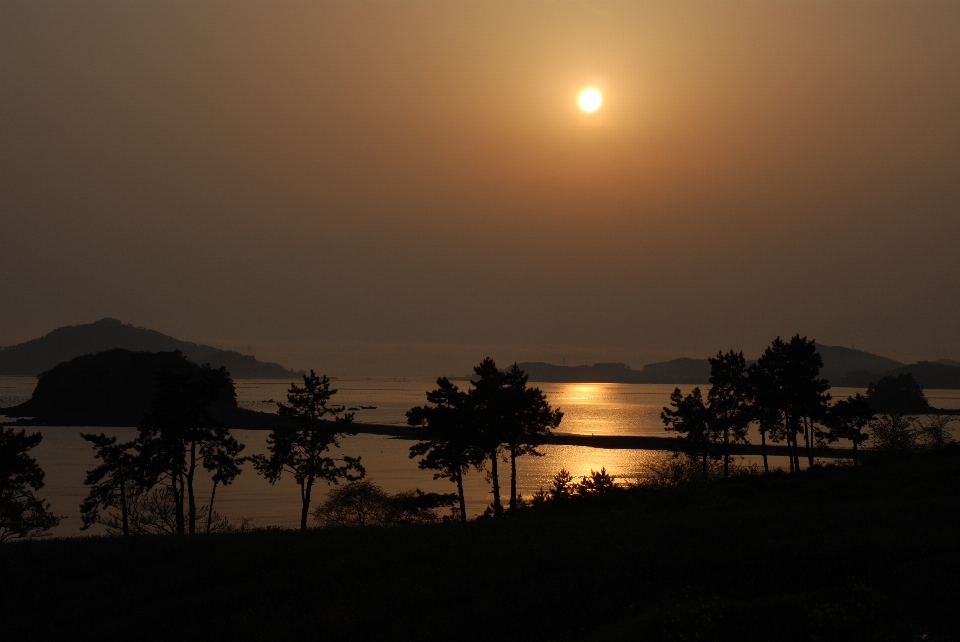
(841, 366)
(676, 371)
(63, 344)
(839, 362)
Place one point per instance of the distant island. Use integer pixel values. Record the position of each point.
(841, 366)
(63, 344)
(117, 388)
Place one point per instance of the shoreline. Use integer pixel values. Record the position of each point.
(610, 442)
(616, 442)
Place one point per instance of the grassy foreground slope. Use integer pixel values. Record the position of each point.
(831, 554)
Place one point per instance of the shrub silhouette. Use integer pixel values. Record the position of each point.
(895, 434)
(154, 512)
(596, 483)
(935, 431)
(363, 503)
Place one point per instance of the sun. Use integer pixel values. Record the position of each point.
(590, 99)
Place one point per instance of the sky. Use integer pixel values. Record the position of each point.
(389, 188)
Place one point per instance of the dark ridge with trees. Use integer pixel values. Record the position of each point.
(931, 375)
(116, 388)
(112, 388)
(900, 394)
(840, 360)
(63, 344)
(841, 366)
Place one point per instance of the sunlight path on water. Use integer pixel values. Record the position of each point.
(589, 408)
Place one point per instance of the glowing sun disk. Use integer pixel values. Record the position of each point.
(589, 99)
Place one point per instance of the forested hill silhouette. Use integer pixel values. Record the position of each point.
(841, 366)
(116, 388)
(63, 344)
(931, 375)
(839, 362)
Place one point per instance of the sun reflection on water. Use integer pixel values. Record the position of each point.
(626, 465)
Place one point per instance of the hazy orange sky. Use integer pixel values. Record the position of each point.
(406, 187)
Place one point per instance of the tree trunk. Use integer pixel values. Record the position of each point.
(791, 437)
(306, 503)
(726, 452)
(513, 477)
(210, 510)
(796, 451)
(763, 449)
(793, 460)
(463, 502)
(192, 504)
(808, 435)
(497, 506)
(790, 450)
(704, 466)
(178, 502)
(854, 452)
(123, 507)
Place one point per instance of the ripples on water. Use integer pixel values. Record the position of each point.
(595, 408)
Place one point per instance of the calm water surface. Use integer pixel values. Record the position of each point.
(601, 409)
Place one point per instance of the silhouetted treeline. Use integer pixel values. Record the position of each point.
(785, 399)
(498, 416)
(148, 485)
(22, 513)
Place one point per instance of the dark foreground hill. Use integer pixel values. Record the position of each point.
(841, 366)
(39, 355)
(830, 554)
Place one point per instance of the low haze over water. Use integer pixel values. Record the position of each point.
(589, 408)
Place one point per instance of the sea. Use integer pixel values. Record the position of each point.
(589, 409)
